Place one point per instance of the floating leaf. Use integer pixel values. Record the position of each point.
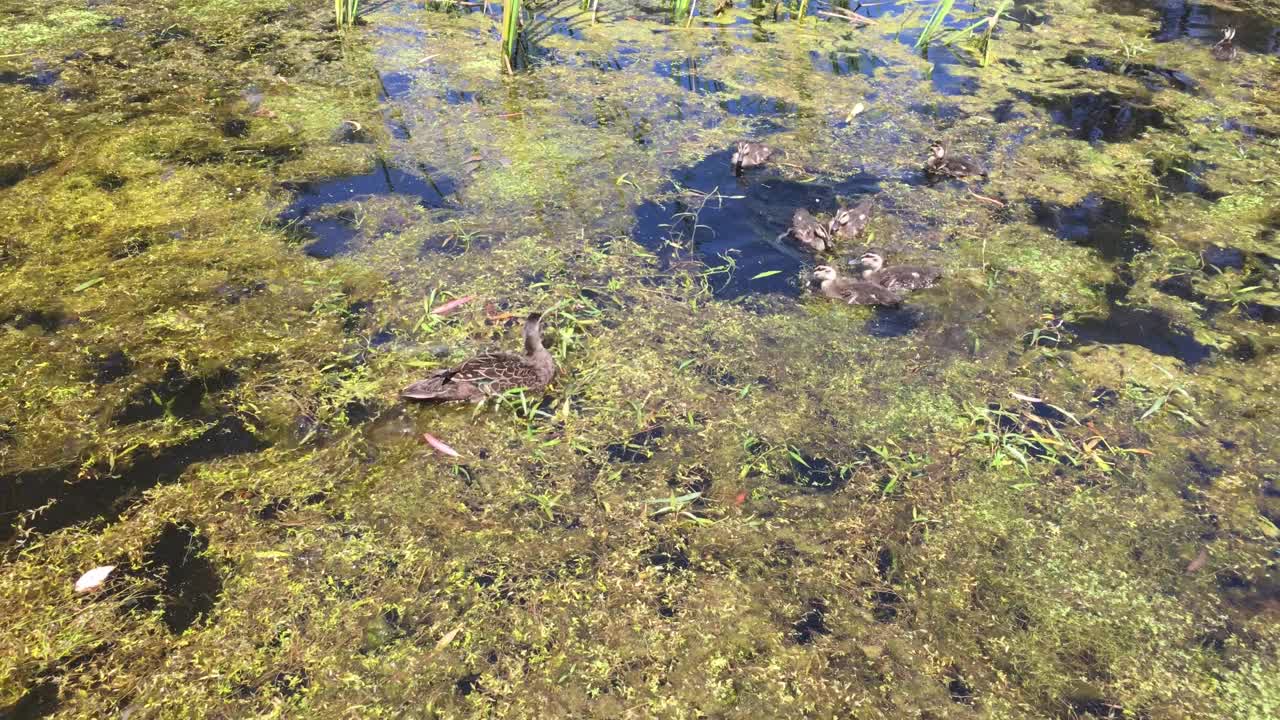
(448, 638)
(92, 581)
(765, 274)
(452, 305)
(270, 554)
(88, 284)
(439, 446)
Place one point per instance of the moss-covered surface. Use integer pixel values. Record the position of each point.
(1047, 488)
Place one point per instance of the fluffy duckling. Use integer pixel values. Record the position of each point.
(492, 373)
(809, 231)
(899, 278)
(942, 165)
(848, 223)
(748, 154)
(854, 292)
(1225, 49)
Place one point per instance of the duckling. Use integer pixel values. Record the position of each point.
(940, 165)
(721, 6)
(748, 154)
(808, 231)
(492, 373)
(1225, 49)
(898, 279)
(854, 292)
(849, 222)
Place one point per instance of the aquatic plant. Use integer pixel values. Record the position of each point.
(344, 12)
(683, 11)
(935, 22)
(511, 41)
(981, 47)
(984, 43)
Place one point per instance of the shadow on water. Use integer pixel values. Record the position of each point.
(894, 322)
(1203, 22)
(844, 63)
(65, 496)
(948, 75)
(1153, 76)
(1096, 222)
(189, 582)
(332, 234)
(687, 74)
(1144, 327)
(741, 221)
(1100, 116)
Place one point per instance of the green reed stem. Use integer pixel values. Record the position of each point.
(344, 12)
(935, 22)
(510, 34)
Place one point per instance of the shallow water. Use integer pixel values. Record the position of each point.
(1046, 487)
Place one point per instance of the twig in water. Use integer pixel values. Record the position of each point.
(849, 15)
(990, 201)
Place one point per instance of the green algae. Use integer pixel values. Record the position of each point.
(860, 550)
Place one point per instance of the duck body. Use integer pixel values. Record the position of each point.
(748, 154)
(809, 231)
(899, 278)
(484, 376)
(942, 165)
(851, 291)
(848, 223)
(1225, 49)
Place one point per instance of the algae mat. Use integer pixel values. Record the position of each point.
(1047, 488)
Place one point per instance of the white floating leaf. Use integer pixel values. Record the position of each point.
(92, 580)
(439, 446)
(448, 638)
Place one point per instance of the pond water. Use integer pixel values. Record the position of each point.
(1047, 487)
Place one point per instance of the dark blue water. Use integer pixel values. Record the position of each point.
(329, 235)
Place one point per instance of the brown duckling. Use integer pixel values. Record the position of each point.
(1225, 49)
(899, 278)
(748, 154)
(492, 373)
(848, 223)
(854, 292)
(942, 165)
(809, 231)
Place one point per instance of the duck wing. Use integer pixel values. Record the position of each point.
(496, 372)
(865, 293)
(475, 379)
(902, 278)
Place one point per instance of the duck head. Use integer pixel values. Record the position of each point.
(825, 273)
(871, 261)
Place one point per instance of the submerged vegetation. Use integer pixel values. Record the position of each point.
(1046, 487)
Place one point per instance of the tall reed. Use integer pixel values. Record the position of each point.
(344, 12)
(985, 54)
(804, 9)
(682, 11)
(935, 22)
(510, 34)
